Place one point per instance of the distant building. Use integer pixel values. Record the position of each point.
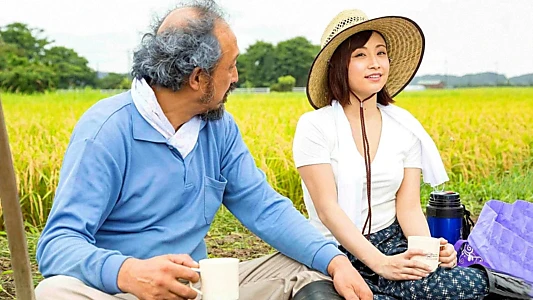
(432, 84)
(414, 87)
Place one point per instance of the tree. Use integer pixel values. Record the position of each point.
(30, 78)
(257, 65)
(125, 83)
(26, 39)
(10, 56)
(114, 81)
(284, 84)
(263, 63)
(28, 64)
(295, 57)
(72, 70)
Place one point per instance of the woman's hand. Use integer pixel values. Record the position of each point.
(447, 254)
(402, 267)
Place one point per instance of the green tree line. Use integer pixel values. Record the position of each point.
(264, 64)
(30, 62)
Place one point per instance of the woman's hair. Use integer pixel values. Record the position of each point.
(338, 85)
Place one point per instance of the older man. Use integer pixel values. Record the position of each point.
(146, 171)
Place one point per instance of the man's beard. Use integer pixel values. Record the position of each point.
(216, 114)
(213, 115)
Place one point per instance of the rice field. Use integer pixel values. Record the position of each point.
(485, 137)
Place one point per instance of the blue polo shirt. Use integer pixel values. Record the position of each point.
(124, 192)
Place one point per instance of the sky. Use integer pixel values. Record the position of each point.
(462, 36)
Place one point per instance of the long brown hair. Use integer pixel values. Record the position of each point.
(338, 86)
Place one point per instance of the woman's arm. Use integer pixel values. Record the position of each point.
(412, 219)
(408, 209)
(320, 182)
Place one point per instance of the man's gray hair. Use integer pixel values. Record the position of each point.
(166, 59)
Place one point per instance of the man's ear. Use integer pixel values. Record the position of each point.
(197, 79)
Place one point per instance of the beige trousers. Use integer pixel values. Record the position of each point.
(272, 277)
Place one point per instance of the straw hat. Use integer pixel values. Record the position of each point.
(405, 48)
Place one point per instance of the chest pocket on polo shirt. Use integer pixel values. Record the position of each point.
(213, 193)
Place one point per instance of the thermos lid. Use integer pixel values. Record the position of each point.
(445, 195)
(444, 199)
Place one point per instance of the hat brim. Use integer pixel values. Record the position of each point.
(405, 46)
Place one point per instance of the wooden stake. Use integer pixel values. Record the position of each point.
(16, 236)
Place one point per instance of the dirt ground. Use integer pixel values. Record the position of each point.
(242, 246)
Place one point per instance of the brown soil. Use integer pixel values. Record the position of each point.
(242, 246)
(7, 288)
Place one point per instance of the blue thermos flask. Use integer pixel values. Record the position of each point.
(445, 215)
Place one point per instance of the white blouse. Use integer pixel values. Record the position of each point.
(315, 142)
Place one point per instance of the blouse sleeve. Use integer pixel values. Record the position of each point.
(413, 159)
(310, 145)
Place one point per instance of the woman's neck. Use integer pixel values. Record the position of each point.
(370, 107)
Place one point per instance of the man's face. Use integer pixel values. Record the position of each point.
(217, 113)
(224, 76)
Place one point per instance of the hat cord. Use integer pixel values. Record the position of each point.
(366, 152)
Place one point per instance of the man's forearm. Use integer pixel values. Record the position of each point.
(298, 239)
(278, 223)
(74, 256)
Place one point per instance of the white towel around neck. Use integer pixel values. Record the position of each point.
(146, 103)
(351, 173)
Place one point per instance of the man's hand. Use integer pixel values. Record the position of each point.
(347, 281)
(447, 254)
(157, 277)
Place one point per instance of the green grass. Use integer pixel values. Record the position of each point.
(484, 136)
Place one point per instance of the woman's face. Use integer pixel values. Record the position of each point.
(368, 69)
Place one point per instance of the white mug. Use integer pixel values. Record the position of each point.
(219, 278)
(430, 245)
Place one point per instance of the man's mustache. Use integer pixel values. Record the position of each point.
(232, 87)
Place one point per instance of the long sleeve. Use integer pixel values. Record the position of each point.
(265, 212)
(90, 183)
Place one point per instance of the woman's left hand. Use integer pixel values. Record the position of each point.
(447, 254)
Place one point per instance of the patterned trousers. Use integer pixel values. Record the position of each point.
(456, 283)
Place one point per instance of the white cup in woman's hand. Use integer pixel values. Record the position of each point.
(430, 245)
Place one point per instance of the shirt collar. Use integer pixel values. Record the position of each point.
(143, 131)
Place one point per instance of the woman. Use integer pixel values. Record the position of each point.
(360, 159)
